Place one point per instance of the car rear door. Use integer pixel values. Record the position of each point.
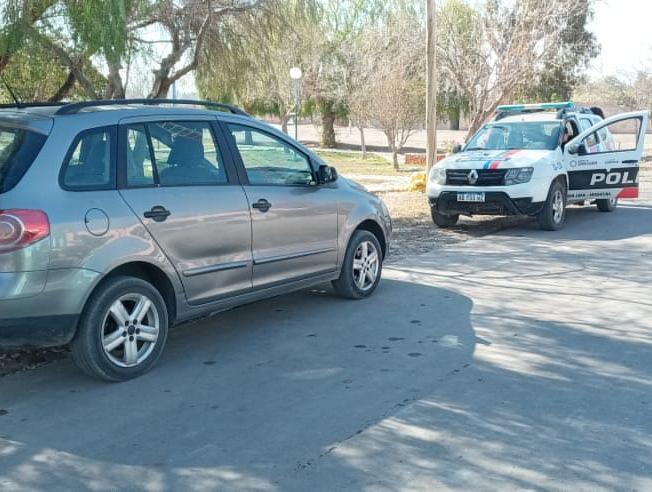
(294, 220)
(603, 161)
(175, 179)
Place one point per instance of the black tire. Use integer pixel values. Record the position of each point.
(96, 322)
(607, 205)
(346, 286)
(551, 219)
(442, 220)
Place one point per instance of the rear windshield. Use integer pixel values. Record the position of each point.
(18, 149)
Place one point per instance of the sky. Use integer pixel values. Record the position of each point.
(622, 28)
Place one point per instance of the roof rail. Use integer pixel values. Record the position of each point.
(30, 105)
(514, 109)
(75, 107)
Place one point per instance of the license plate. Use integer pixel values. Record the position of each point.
(470, 197)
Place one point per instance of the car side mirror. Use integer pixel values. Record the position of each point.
(577, 149)
(326, 174)
(456, 148)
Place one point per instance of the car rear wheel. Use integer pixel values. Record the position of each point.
(607, 205)
(362, 268)
(122, 331)
(443, 220)
(553, 214)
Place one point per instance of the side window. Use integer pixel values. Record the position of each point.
(268, 160)
(88, 164)
(140, 168)
(629, 131)
(173, 153)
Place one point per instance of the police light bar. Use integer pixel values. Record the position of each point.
(534, 107)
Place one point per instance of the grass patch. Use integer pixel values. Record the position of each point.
(353, 163)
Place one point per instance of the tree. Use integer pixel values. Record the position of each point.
(70, 32)
(395, 92)
(488, 54)
(565, 67)
(252, 67)
(328, 74)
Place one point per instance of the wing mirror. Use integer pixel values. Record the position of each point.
(456, 148)
(578, 149)
(326, 174)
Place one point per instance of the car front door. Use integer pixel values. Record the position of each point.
(601, 167)
(174, 178)
(294, 220)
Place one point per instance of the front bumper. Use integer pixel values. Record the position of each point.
(48, 317)
(496, 203)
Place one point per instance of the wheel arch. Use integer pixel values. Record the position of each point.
(149, 273)
(376, 229)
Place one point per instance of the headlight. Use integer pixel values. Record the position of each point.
(438, 175)
(518, 175)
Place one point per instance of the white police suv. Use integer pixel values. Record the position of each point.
(534, 159)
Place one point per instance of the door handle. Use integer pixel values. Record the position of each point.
(631, 161)
(158, 213)
(262, 205)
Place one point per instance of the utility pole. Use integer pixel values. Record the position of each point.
(431, 82)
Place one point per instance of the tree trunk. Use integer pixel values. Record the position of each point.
(64, 89)
(328, 131)
(363, 144)
(284, 122)
(395, 159)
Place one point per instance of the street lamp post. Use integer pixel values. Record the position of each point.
(295, 75)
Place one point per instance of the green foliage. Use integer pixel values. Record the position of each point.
(564, 69)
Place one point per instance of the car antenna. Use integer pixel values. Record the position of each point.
(11, 92)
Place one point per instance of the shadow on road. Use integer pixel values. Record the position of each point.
(245, 399)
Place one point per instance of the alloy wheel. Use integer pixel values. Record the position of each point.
(366, 263)
(130, 330)
(558, 206)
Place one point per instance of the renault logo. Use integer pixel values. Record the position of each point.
(472, 177)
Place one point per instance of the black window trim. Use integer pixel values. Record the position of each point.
(242, 170)
(122, 154)
(112, 131)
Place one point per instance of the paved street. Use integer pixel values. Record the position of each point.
(518, 360)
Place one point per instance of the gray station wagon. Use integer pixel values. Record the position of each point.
(119, 219)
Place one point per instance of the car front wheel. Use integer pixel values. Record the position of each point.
(122, 331)
(553, 214)
(443, 220)
(362, 268)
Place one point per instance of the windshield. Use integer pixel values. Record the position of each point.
(541, 135)
(18, 149)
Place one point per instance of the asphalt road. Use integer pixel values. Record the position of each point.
(519, 360)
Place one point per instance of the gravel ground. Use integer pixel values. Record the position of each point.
(414, 233)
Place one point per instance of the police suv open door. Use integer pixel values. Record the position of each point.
(599, 167)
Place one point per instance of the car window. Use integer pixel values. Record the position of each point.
(585, 123)
(88, 164)
(517, 135)
(173, 153)
(18, 149)
(628, 130)
(140, 168)
(268, 160)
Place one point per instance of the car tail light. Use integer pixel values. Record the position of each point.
(20, 228)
